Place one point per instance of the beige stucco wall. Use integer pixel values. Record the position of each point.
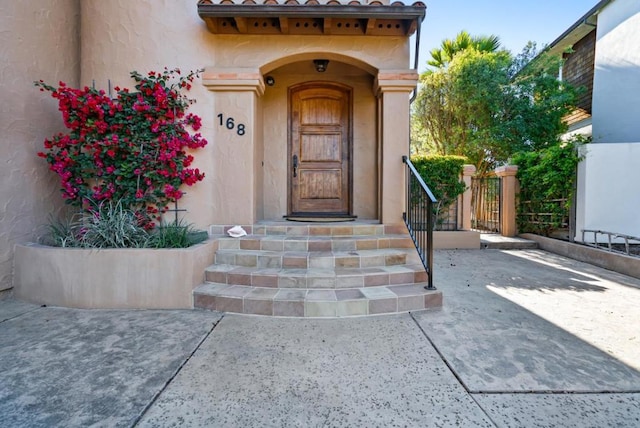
(275, 171)
(119, 36)
(38, 40)
(242, 61)
(270, 52)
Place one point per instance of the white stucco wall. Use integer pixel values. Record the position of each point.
(38, 40)
(608, 196)
(616, 86)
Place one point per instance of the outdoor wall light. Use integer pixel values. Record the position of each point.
(269, 80)
(321, 65)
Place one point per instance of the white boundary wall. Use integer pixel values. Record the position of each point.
(609, 189)
(609, 177)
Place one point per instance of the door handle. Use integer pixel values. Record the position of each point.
(295, 165)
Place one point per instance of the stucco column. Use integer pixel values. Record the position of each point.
(464, 201)
(236, 142)
(392, 88)
(509, 187)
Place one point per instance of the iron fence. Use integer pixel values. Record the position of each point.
(485, 204)
(544, 216)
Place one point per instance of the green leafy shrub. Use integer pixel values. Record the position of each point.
(442, 175)
(547, 185)
(176, 235)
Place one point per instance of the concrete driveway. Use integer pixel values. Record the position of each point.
(525, 339)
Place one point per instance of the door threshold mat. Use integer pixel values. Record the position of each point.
(319, 219)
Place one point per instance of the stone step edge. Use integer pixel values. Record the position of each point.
(305, 260)
(315, 278)
(313, 229)
(316, 303)
(314, 243)
(340, 253)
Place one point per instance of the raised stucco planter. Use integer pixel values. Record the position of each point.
(456, 240)
(110, 278)
(616, 262)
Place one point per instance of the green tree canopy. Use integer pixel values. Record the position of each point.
(485, 107)
(442, 56)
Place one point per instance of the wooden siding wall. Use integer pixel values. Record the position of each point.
(578, 70)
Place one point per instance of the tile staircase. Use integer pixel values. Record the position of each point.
(316, 270)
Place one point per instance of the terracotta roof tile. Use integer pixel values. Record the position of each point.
(396, 3)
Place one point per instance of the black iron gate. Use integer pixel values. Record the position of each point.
(485, 204)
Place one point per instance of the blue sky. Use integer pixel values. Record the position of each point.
(514, 21)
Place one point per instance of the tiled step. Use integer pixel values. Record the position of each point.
(296, 302)
(311, 259)
(314, 229)
(316, 270)
(315, 243)
(316, 278)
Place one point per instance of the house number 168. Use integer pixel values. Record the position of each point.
(230, 124)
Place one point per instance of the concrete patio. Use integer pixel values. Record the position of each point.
(525, 339)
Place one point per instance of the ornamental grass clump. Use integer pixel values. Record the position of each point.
(111, 225)
(133, 150)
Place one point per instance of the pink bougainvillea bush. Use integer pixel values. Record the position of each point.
(134, 149)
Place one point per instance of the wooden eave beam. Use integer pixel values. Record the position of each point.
(241, 24)
(284, 24)
(212, 24)
(410, 26)
(410, 16)
(371, 24)
(326, 26)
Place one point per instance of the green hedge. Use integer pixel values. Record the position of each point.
(547, 184)
(442, 175)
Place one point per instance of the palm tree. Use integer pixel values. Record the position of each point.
(440, 57)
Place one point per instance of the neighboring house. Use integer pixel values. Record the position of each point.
(305, 106)
(605, 59)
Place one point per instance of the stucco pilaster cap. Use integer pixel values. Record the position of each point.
(395, 81)
(233, 79)
(506, 171)
(468, 169)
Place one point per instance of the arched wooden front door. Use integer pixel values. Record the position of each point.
(319, 150)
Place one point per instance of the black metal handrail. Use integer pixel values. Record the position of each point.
(419, 217)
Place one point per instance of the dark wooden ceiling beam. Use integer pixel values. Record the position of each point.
(241, 24)
(371, 24)
(326, 26)
(212, 24)
(284, 24)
